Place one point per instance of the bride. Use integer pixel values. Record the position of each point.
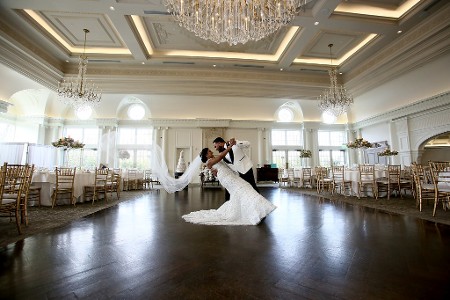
(245, 207)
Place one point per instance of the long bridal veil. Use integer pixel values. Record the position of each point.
(168, 182)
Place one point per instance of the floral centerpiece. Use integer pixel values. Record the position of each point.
(68, 143)
(305, 153)
(387, 152)
(359, 143)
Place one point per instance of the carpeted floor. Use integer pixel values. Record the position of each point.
(44, 218)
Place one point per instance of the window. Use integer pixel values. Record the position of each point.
(135, 143)
(327, 158)
(136, 111)
(286, 138)
(285, 146)
(86, 158)
(331, 152)
(332, 138)
(285, 115)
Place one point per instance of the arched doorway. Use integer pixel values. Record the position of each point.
(437, 148)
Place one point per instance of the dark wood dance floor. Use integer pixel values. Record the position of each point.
(308, 248)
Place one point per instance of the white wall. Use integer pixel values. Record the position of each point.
(431, 79)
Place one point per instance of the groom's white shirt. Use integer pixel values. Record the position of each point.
(242, 163)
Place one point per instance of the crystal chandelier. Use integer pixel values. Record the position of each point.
(234, 21)
(335, 100)
(78, 92)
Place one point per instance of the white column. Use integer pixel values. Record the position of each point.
(352, 153)
(165, 142)
(261, 147)
(268, 147)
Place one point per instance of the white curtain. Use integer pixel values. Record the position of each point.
(12, 153)
(42, 156)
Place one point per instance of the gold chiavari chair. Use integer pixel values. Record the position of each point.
(293, 180)
(13, 183)
(406, 181)
(367, 180)
(307, 178)
(65, 178)
(282, 178)
(115, 182)
(339, 181)
(26, 194)
(131, 181)
(423, 190)
(390, 183)
(146, 181)
(99, 187)
(324, 182)
(441, 179)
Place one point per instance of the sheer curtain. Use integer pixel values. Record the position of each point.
(42, 156)
(12, 153)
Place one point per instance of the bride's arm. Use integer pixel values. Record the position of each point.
(212, 161)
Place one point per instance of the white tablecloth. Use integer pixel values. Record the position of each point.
(47, 181)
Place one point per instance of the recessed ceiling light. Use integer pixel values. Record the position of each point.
(340, 73)
(67, 60)
(112, 8)
(281, 69)
(214, 66)
(316, 23)
(143, 62)
(399, 31)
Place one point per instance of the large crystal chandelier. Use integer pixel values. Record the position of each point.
(234, 21)
(78, 92)
(335, 100)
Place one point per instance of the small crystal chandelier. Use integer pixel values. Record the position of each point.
(335, 100)
(78, 92)
(234, 21)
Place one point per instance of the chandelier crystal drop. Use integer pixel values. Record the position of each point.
(234, 21)
(78, 92)
(335, 100)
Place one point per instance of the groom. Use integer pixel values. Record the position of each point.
(238, 161)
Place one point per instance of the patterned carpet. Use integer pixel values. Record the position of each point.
(44, 218)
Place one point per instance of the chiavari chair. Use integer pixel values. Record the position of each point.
(324, 182)
(65, 178)
(339, 181)
(423, 190)
(13, 184)
(99, 187)
(441, 179)
(391, 183)
(293, 180)
(307, 179)
(367, 180)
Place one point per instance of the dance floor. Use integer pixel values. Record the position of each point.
(308, 248)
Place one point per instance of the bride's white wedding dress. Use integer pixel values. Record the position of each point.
(245, 207)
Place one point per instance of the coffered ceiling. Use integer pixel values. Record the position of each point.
(135, 46)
